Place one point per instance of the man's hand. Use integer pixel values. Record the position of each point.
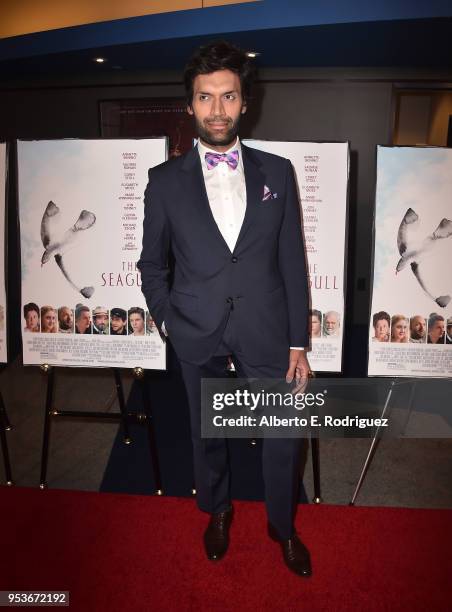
(298, 368)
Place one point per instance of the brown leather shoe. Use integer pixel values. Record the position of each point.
(296, 555)
(216, 536)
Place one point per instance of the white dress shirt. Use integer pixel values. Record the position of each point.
(226, 192)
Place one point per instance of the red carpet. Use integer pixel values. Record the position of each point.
(123, 552)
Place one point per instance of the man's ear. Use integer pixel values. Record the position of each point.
(189, 109)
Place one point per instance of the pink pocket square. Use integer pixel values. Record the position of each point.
(268, 195)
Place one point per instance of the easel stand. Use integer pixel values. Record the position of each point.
(315, 453)
(146, 418)
(376, 439)
(4, 427)
(122, 417)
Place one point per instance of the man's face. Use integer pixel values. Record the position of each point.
(315, 326)
(31, 320)
(217, 106)
(65, 318)
(436, 331)
(381, 330)
(83, 322)
(101, 321)
(418, 328)
(331, 324)
(117, 324)
(136, 323)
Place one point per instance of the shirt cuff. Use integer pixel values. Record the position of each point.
(297, 348)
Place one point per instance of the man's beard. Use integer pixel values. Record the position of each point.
(221, 140)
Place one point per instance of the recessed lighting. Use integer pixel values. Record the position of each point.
(100, 60)
(252, 54)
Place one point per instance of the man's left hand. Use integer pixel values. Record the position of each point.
(298, 369)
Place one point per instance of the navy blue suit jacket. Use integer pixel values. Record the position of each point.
(264, 279)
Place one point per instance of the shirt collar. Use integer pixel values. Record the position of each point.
(202, 150)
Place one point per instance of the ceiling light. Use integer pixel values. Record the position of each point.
(100, 60)
(252, 53)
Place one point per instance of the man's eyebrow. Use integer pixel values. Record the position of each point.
(209, 93)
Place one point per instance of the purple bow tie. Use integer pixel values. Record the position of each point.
(213, 159)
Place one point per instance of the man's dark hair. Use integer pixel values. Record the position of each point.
(219, 55)
(79, 309)
(137, 310)
(433, 318)
(316, 313)
(30, 307)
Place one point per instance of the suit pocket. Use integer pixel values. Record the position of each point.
(183, 301)
(276, 291)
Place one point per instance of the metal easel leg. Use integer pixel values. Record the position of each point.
(410, 406)
(155, 463)
(372, 448)
(4, 415)
(315, 452)
(50, 372)
(4, 425)
(122, 405)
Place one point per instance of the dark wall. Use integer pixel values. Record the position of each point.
(289, 105)
(67, 112)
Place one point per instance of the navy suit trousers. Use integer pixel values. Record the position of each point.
(280, 457)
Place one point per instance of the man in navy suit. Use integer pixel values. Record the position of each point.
(231, 217)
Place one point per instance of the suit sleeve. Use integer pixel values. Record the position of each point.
(153, 263)
(292, 264)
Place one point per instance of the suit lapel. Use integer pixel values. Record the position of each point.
(255, 182)
(194, 189)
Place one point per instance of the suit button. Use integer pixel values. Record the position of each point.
(234, 260)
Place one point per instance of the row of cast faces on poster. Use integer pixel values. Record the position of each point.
(418, 329)
(82, 320)
(327, 325)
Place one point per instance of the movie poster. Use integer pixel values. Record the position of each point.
(410, 330)
(81, 214)
(3, 341)
(322, 175)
